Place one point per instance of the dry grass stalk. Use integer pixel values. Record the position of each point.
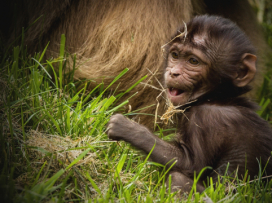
(180, 35)
(60, 146)
(172, 110)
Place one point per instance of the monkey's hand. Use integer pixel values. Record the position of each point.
(121, 128)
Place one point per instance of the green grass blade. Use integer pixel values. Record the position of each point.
(120, 164)
(42, 67)
(78, 158)
(93, 183)
(115, 79)
(62, 46)
(264, 104)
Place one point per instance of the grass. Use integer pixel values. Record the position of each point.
(54, 147)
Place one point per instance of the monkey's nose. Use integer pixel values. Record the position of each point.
(175, 73)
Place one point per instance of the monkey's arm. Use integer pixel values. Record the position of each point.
(121, 128)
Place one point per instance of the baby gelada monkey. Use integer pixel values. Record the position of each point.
(209, 65)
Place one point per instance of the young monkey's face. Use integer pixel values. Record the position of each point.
(185, 73)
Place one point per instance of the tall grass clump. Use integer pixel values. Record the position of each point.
(54, 147)
(265, 93)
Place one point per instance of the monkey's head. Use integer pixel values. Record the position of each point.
(214, 59)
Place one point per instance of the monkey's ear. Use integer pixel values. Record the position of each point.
(247, 71)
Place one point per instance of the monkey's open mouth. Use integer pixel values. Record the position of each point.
(174, 91)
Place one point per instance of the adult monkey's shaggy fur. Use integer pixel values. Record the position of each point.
(110, 35)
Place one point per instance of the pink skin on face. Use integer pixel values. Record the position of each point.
(186, 68)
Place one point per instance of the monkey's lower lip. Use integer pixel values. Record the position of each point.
(175, 95)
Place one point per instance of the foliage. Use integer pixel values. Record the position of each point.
(54, 147)
(263, 12)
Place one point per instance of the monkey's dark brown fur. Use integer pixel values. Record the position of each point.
(108, 36)
(210, 66)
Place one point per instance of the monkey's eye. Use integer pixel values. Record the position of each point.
(193, 61)
(174, 55)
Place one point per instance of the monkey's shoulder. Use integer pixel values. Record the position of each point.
(226, 125)
(227, 113)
